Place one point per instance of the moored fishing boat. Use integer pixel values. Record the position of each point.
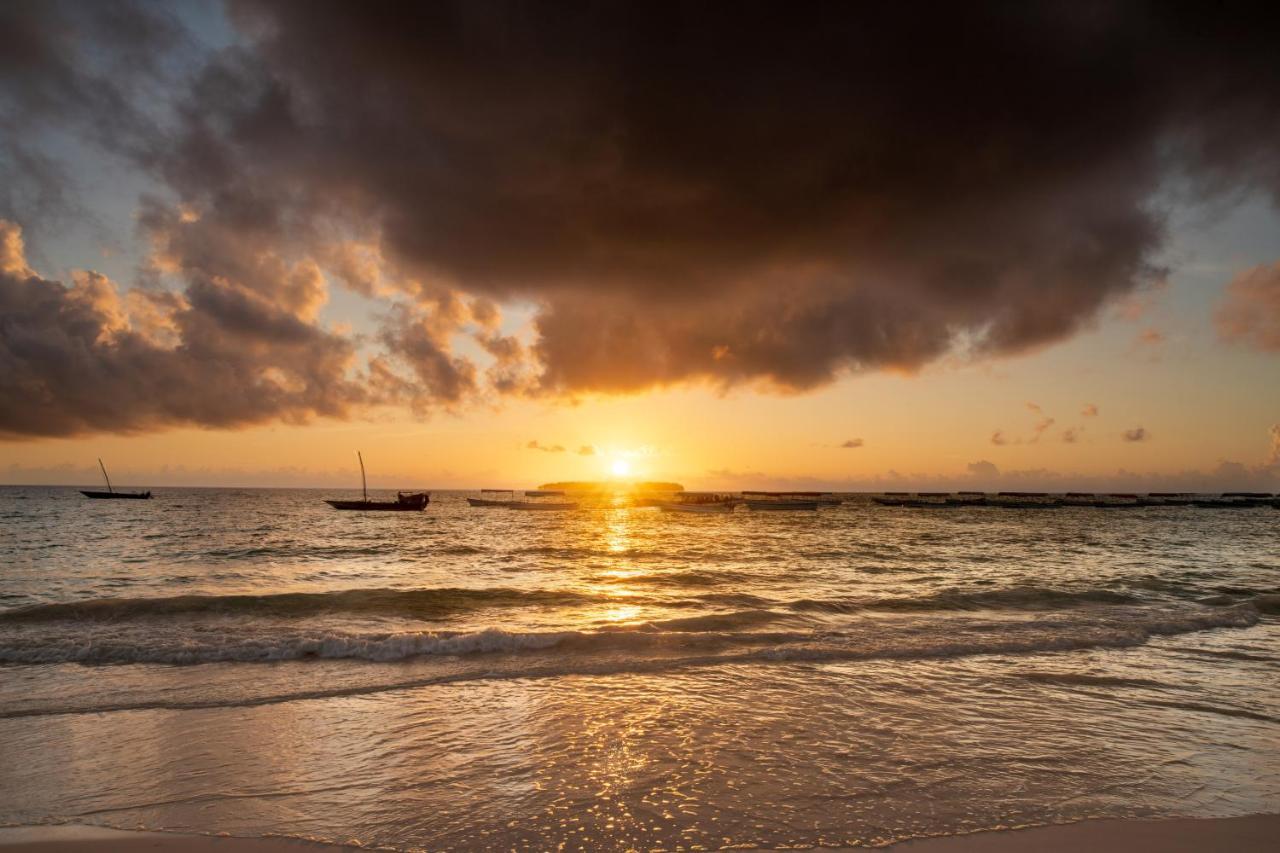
(1171, 498)
(112, 494)
(542, 506)
(494, 502)
(781, 501)
(404, 502)
(700, 503)
(1025, 500)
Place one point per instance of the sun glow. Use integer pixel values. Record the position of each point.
(620, 468)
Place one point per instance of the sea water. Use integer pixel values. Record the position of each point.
(253, 662)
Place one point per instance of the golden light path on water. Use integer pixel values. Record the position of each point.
(620, 678)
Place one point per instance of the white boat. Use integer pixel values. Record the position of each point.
(782, 501)
(705, 509)
(491, 502)
(700, 502)
(542, 505)
(781, 505)
(537, 505)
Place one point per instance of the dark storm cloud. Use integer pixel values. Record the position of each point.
(757, 193)
(749, 193)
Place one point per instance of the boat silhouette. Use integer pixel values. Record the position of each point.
(404, 502)
(112, 494)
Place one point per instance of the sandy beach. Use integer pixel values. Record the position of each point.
(1181, 835)
(1185, 835)
(78, 838)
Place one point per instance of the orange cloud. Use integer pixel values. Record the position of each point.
(1250, 311)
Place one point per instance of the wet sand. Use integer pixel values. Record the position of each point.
(93, 839)
(1183, 835)
(1251, 834)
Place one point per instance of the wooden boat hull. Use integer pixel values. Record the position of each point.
(540, 507)
(698, 509)
(379, 506)
(782, 506)
(485, 502)
(135, 496)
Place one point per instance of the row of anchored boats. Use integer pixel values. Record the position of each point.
(543, 500)
(682, 501)
(1057, 500)
(533, 500)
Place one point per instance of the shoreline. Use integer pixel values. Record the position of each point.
(1247, 834)
(1254, 833)
(85, 838)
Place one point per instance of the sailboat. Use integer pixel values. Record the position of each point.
(404, 502)
(112, 494)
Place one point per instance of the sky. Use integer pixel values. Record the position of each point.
(759, 245)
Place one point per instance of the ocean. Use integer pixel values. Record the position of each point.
(255, 663)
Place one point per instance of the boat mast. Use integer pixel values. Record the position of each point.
(104, 474)
(364, 486)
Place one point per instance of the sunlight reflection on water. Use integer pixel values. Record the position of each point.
(618, 678)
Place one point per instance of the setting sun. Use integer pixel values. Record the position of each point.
(620, 468)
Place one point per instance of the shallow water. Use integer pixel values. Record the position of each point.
(253, 662)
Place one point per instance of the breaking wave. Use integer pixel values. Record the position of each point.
(724, 633)
(444, 601)
(415, 602)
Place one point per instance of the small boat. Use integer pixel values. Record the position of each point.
(929, 503)
(404, 502)
(493, 502)
(701, 503)
(112, 494)
(782, 501)
(1224, 503)
(1171, 498)
(543, 506)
